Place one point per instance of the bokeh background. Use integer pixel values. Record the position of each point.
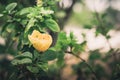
(84, 19)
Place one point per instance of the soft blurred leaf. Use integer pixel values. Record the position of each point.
(21, 61)
(72, 35)
(77, 48)
(94, 55)
(11, 6)
(30, 24)
(10, 27)
(88, 26)
(43, 66)
(72, 39)
(62, 36)
(36, 54)
(52, 25)
(26, 10)
(33, 69)
(25, 54)
(62, 42)
(49, 55)
(100, 69)
(108, 36)
(1, 15)
(60, 59)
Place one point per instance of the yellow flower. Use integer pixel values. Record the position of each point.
(40, 42)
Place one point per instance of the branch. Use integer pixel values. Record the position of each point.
(88, 65)
(75, 55)
(68, 13)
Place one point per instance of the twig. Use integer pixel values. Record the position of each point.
(97, 78)
(68, 11)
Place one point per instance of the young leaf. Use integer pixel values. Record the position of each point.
(10, 27)
(94, 55)
(33, 69)
(60, 59)
(25, 54)
(22, 61)
(26, 10)
(36, 55)
(43, 66)
(49, 55)
(11, 6)
(30, 24)
(62, 42)
(52, 25)
(77, 48)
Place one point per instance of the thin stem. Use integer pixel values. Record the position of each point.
(89, 66)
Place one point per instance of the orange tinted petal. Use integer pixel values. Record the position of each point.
(40, 42)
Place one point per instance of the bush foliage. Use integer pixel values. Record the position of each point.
(29, 64)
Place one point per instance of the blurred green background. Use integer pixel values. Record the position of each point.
(97, 22)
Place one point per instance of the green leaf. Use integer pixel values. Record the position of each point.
(26, 10)
(60, 59)
(108, 36)
(1, 15)
(36, 54)
(25, 55)
(49, 55)
(62, 39)
(62, 42)
(77, 48)
(72, 35)
(33, 69)
(11, 6)
(72, 39)
(62, 36)
(43, 66)
(10, 27)
(23, 21)
(27, 31)
(30, 24)
(3, 29)
(52, 25)
(22, 61)
(88, 26)
(94, 55)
